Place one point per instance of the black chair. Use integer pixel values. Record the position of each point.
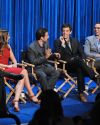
(3, 108)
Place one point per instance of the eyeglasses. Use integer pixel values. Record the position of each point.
(97, 28)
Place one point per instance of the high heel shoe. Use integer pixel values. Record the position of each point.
(34, 99)
(15, 104)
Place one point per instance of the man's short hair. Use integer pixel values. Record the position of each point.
(97, 23)
(66, 26)
(40, 33)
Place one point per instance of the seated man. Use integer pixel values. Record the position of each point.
(92, 46)
(71, 51)
(38, 54)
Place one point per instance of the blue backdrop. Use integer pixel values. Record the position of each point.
(23, 17)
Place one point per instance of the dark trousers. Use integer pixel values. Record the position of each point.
(79, 67)
(97, 65)
(47, 76)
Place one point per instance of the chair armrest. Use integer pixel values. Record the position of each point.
(90, 59)
(20, 64)
(28, 64)
(62, 61)
(63, 64)
(53, 62)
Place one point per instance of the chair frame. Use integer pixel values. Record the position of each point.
(12, 89)
(70, 80)
(34, 75)
(92, 61)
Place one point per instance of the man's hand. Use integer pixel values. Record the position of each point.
(57, 55)
(48, 53)
(97, 55)
(62, 41)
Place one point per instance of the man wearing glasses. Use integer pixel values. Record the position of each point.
(92, 46)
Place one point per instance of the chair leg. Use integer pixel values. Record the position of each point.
(12, 91)
(95, 89)
(39, 92)
(58, 89)
(69, 90)
(9, 96)
(86, 92)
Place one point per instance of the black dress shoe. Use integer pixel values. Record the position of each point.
(11, 75)
(82, 97)
(61, 97)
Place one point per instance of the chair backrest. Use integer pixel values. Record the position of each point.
(30, 69)
(25, 59)
(3, 108)
(24, 55)
(31, 73)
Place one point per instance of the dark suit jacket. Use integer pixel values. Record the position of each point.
(67, 53)
(35, 56)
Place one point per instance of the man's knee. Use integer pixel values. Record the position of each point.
(78, 59)
(41, 75)
(57, 73)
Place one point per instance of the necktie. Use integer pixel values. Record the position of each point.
(69, 45)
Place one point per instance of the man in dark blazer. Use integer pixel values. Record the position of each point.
(38, 54)
(71, 52)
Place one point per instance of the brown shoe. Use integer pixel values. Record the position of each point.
(15, 104)
(82, 97)
(34, 99)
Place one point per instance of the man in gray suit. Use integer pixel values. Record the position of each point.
(92, 46)
(38, 54)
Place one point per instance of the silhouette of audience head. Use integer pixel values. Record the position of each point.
(50, 112)
(51, 103)
(50, 109)
(95, 113)
(97, 97)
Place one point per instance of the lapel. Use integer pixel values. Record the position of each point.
(72, 46)
(68, 49)
(95, 40)
(37, 47)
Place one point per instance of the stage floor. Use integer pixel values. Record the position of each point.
(71, 107)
